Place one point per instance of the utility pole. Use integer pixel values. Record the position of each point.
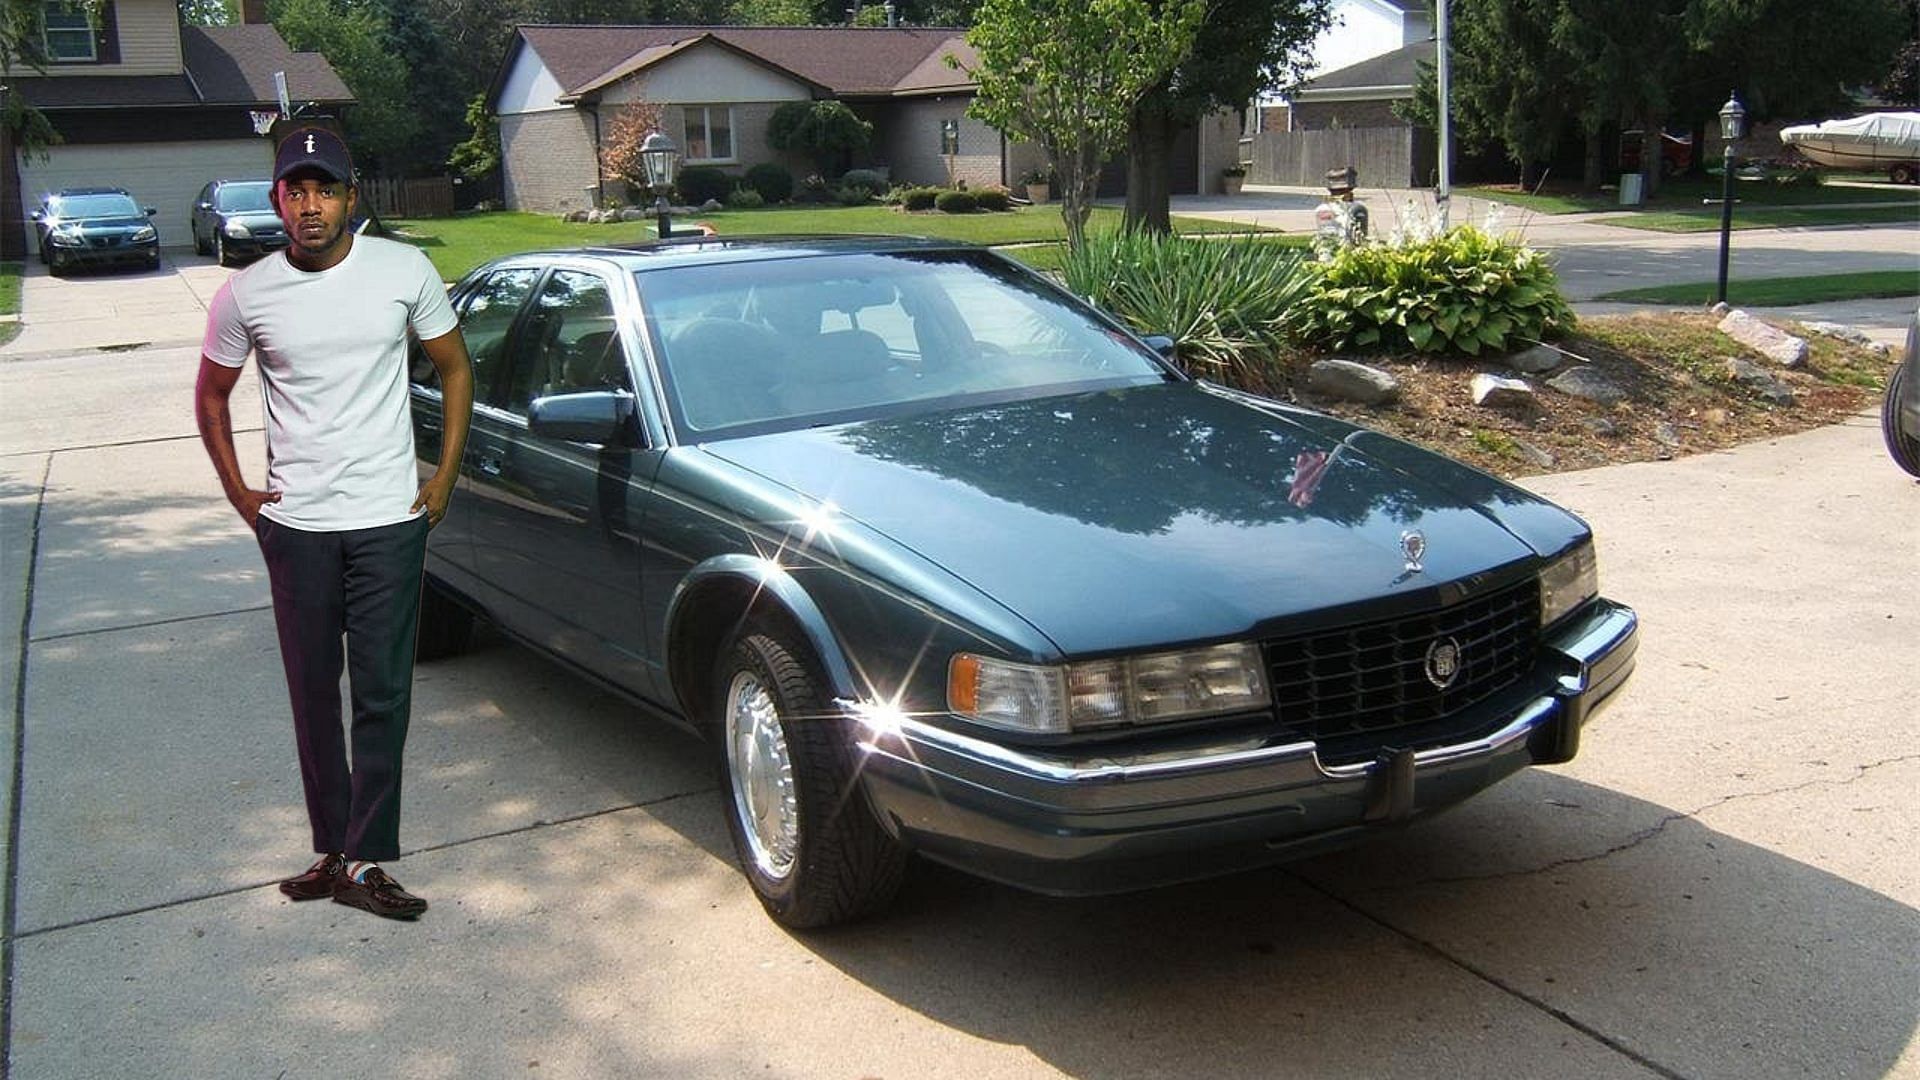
(1442, 69)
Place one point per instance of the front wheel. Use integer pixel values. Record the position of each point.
(1904, 173)
(810, 847)
(1903, 445)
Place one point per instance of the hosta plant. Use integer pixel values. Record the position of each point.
(1462, 291)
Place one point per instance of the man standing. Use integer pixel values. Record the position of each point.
(343, 521)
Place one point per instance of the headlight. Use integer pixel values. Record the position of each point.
(67, 234)
(141, 236)
(1570, 581)
(236, 230)
(1095, 694)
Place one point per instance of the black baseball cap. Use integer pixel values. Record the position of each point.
(313, 148)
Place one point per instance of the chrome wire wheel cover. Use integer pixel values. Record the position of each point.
(764, 798)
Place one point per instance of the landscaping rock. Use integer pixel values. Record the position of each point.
(1499, 392)
(1534, 455)
(1352, 382)
(1769, 341)
(1666, 434)
(1535, 360)
(1720, 308)
(574, 215)
(711, 205)
(1601, 426)
(1585, 382)
(1838, 332)
(633, 213)
(1760, 381)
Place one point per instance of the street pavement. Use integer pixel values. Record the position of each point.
(1723, 884)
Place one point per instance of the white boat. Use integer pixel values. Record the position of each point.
(1889, 140)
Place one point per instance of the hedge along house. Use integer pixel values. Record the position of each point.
(148, 104)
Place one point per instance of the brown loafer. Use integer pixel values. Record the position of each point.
(379, 894)
(317, 882)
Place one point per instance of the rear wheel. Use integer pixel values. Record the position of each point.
(1903, 445)
(1904, 173)
(805, 838)
(199, 246)
(446, 627)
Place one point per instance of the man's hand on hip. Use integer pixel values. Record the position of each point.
(434, 495)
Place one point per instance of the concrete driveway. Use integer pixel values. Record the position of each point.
(116, 309)
(1722, 885)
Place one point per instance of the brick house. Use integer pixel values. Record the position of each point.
(559, 86)
(146, 103)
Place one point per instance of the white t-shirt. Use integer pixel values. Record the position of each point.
(332, 348)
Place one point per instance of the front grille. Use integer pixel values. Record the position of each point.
(1373, 677)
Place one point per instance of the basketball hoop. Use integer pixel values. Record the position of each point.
(263, 120)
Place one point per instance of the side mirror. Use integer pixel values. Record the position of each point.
(1162, 344)
(591, 416)
(37, 215)
(151, 211)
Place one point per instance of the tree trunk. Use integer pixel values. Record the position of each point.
(1149, 186)
(1593, 170)
(1652, 158)
(1079, 173)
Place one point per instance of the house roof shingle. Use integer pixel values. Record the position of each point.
(849, 61)
(226, 65)
(1396, 70)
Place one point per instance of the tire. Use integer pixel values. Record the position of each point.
(809, 846)
(1903, 445)
(446, 627)
(199, 245)
(1904, 173)
(220, 250)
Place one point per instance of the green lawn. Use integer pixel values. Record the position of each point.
(1782, 292)
(9, 299)
(458, 244)
(1685, 193)
(1709, 220)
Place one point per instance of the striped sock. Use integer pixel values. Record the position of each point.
(357, 869)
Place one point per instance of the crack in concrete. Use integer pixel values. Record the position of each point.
(1659, 827)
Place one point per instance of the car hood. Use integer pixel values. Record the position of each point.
(1163, 514)
(253, 219)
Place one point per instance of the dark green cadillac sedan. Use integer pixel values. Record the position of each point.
(942, 560)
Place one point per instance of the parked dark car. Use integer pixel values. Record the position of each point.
(95, 226)
(233, 220)
(943, 561)
(1900, 412)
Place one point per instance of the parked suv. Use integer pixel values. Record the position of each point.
(95, 225)
(232, 219)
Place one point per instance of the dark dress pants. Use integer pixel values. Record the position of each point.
(363, 585)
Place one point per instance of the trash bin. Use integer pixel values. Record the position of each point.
(1630, 189)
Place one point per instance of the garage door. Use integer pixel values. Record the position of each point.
(165, 176)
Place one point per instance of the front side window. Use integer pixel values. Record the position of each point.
(486, 314)
(570, 343)
(67, 32)
(709, 133)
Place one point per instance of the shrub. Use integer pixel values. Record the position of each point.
(814, 190)
(745, 198)
(1222, 300)
(920, 198)
(827, 131)
(955, 202)
(992, 198)
(772, 180)
(864, 178)
(1463, 291)
(698, 183)
(852, 196)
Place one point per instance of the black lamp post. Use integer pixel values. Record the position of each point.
(659, 157)
(1733, 124)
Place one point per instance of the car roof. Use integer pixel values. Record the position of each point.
(712, 250)
(91, 191)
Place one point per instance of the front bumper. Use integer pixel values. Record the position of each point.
(109, 254)
(1096, 823)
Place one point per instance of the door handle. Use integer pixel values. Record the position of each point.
(490, 466)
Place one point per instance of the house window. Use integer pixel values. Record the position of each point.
(67, 32)
(709, 133)
(949, 136)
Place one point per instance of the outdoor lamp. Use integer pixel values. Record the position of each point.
(658, 156)
(1733, 124)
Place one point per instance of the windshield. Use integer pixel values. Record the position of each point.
(752, 347)
(234, 198)
(95, 206)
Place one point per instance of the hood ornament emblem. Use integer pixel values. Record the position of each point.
(1413, 544)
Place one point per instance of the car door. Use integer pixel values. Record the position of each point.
(487, 309)
(557, 524)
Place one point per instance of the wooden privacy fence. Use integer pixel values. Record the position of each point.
(429, 196)
(1384, 156)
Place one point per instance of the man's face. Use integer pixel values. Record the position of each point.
(315, 208)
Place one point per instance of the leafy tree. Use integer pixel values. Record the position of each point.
(1508, 82)
(771, 12)
(1242, 46)
(434, 91)
(1902, 81)
(24, 125)
(1066, 75)
(479, 156)
(827, 131)
(210, 12)
(620, 142)
(383, 128)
